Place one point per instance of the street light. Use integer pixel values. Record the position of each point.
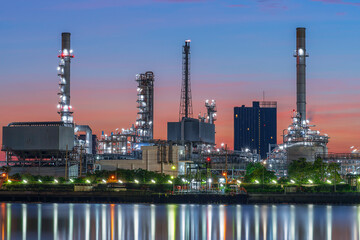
(104, 181)
(256, 181)
(119, 181)
(274, 182)
(153, 181)
(25, 181)
(328, 181)
(310, 181)
(136, 181)
(292, 181)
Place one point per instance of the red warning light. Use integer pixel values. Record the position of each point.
(208, 159)
(3, 175)
(224, 174)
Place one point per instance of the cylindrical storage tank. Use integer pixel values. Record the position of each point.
(301, 150)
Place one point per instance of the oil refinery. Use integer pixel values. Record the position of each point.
(65, 148)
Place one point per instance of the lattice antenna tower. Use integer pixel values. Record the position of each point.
(186, 110)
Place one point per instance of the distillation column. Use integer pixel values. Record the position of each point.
(301, 55)
(64, 107)
(145, 105)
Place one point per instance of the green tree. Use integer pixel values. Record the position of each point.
(300, 170)
(333, 172)
(256, 171)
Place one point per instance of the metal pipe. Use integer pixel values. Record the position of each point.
(88, 140)
(301, 55)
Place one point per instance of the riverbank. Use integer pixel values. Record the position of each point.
(198, 198)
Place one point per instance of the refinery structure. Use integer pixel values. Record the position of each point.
(65, 148)
(299, 139)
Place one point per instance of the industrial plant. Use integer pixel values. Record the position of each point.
(65, 148)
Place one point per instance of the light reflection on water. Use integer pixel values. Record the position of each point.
(144, 221)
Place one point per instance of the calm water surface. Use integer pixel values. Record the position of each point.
(144, 221)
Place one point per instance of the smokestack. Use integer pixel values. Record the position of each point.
(301, 55)
(64, 107)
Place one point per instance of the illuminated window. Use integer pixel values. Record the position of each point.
(236, 115)
(248, 129)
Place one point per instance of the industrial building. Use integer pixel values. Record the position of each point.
(161, 158)
(188, 131)
(64, 148)
(127, 141)
(45, 145)
(299, 139)
(255, 127)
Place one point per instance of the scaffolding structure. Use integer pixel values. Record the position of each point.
(211, 111)
(145, 104)
(121, 142)
(126, 141)
(300, 132)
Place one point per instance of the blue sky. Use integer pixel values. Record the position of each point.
(239, 49)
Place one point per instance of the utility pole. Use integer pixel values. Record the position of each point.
(226, 165)
(66, 163)
(80, 161)
(334, 178)
(263, 182)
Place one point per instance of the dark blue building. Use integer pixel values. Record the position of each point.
(255, 127)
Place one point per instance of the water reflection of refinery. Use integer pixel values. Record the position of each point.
(137, 221)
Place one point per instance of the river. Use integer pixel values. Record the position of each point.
(146, 221)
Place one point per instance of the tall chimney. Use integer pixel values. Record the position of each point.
(64, 107)
(301, 55)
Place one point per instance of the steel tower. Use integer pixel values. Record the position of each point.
(145, 105)
(186, 110)
(64, 107)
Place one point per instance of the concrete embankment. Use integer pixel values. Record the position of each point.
(304, 198)
(144, 197)
(120, 197)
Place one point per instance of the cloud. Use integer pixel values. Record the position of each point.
(237, 6)
(338, 2)
(99, 4)
(179, 1)
(271, 4)
(341, 13)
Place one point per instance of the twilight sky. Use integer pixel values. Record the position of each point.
(240, 48)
